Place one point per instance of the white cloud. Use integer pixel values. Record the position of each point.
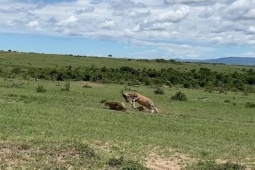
(70, 21)
(33, 24)
(139, 14)
(151, 2)
(177, 50)
(176, 14)
(251, 29)
(88, 9)
(207, 12)
(239, 9)
(247, 54)
(197, 21)
(198, 2)
(11, 23)
(136, 28)
(108, 24)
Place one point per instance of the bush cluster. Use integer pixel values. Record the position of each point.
(179, 96)
(250, 105)
(195, 78)
(159, 91)
(40, 89)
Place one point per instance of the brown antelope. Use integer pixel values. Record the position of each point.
(142, 100)
(116, 106)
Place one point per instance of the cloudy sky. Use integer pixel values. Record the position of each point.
(197, 29)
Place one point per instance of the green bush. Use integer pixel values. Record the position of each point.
(115, 162)
(132, 165)
(40, 89)
(103, 101)
(159, 91)
(179, 96)
(85, 151)
(187, 85)
(66, 86)
(250, 105)
(16, 70)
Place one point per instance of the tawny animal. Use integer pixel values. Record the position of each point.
(116, 106)
(142, 100)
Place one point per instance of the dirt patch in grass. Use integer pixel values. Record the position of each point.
(68, 156)
(175, 162)
(101, 146)
(14, 156)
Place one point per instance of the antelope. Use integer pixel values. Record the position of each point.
(116, 106)
(142, 100)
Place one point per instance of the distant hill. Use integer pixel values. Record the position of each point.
(228, 60)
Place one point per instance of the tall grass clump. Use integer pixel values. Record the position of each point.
(250, 105)
(120, 163)
(179, 96)
(159, 91)
(40, 89)
(66, 86)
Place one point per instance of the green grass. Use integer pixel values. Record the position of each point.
(61, 129)
(206, 127)
(31, 60)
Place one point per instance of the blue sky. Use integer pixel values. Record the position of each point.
(194, 29)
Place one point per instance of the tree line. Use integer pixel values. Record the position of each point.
(195, 78)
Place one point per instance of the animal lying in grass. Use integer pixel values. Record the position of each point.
(116, 106)
(142, 100)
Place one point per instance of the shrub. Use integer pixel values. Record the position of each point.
(66, 86)
(222, 90)
(103, 101)
(227, 101)
(249, 105)
(16, 70)
(40, 89)
(169, 84)
(115, 161)
(85, 151)
(179, 96)
(209, 87)
(187, 85)
(159, 91)
(132, 165)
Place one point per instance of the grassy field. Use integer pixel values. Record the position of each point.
(73, 129)
(30, 60)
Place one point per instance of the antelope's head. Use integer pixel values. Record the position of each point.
(126, 96)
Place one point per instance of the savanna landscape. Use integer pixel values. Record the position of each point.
(53, 116)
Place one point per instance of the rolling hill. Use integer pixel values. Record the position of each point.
(228, 60)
